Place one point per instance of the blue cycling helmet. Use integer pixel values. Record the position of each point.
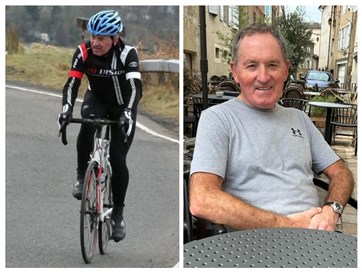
(105, 23)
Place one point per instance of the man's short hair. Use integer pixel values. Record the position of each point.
(255, 28)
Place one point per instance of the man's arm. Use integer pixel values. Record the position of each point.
(208, 201)
(133, 77)
(341, 184)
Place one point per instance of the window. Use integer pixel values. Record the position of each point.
(234, 22)
(217, 53)
(308, 64)
(213, 10)
(229, 15)
(268, 11)
(225, 13)
(343, 37)
(188, 61)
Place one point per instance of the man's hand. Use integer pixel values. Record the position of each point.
(304, 219)
(326, 220)
(65, 116)
(127, 118)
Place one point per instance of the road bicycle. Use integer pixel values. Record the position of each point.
(97, 202)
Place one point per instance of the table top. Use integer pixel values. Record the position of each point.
(277, 247)
(343, 91)
(312, 93)
(214, 96)
(328, 104)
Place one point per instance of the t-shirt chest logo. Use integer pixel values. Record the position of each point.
(296, 132)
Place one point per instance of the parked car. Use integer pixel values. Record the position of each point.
(315, 79)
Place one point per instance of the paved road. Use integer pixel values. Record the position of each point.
(42, 217)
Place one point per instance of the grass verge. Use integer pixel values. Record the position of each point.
(48, 66)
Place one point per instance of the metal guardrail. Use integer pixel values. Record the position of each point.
(171, 66)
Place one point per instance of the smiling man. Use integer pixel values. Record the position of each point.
(114, 90)
(254, 161)
(261, 68)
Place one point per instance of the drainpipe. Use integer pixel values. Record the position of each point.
(330, 21)
(203, 57)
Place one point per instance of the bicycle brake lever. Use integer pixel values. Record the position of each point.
(63, 132)
(64, 136)
(123, 130)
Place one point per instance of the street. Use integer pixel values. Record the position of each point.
(42, 217)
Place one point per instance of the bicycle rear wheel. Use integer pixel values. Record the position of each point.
(105, 228)
(88, 216)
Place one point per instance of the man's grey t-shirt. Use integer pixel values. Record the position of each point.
(266, 157)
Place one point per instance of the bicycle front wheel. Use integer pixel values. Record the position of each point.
(105, 226)
(88, 216)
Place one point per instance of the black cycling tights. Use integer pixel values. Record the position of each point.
(92, 108)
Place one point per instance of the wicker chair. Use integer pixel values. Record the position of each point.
(293, 91)
(300, 104)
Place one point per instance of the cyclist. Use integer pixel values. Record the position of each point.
(114, 90)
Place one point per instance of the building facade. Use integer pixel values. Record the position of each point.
(339, 37)
(334, 38)
(223, 19)
(312, 62)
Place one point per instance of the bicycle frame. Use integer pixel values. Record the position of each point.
(99, 154)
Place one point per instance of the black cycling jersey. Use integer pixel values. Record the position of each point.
(114, 78)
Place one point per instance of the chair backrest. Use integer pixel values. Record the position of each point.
(214, 80)
(347, 116)
(293, 91)
(197, 108)
(223, 77)
(188, 226)
(329, 92)
(300, 104)
(229, 84)
(196, 84)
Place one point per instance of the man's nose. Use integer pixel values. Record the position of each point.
(95, 42)
(263, 74)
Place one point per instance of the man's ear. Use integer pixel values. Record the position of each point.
(233, 71)
(287, 69)
(115, 40)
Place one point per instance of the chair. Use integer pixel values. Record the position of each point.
(193, 119)
(347, 118)
(196, 228)
(196, 84)
(214, 81)
(293, 91)
(300, 104)
(228, 85)
(197, 108)
(189, 120)
(188, 224)
(328, 92)
(223, 77)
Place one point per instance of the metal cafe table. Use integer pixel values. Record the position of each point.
(329, 106)
(310, 94)
(214, 97)
(278, 247)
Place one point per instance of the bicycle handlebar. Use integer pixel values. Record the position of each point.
(94, 122)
